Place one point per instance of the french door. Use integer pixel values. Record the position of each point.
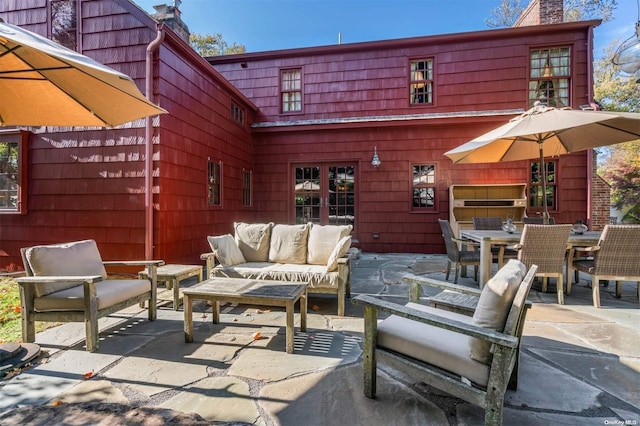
(325, 193)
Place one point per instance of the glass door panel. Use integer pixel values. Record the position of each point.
(325, 194)
(307, 194)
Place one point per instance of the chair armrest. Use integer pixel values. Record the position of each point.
(465, 242)
(205, 256)
(443, 285)
(515, 247)
(437, 321)
(346, 259)
(133, 262)
(59, 279)
(587, 249)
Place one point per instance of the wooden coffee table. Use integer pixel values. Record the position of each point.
(249, 292)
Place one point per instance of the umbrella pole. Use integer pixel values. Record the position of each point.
(545, 211)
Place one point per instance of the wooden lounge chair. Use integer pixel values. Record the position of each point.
(68, 283)
(616, 257)
(471, 358)
(457, 251)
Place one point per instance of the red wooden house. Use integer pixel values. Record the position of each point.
(284, 136)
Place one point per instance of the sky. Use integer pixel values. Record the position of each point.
(263, 25)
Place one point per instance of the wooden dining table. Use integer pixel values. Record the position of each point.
(487, 239)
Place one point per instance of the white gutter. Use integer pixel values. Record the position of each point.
(148, 163)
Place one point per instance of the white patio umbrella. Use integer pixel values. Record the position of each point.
(43, 83)
(545, 132)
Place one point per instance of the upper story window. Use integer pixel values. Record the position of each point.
(237, 113)
(246, 188)
(424, 187)
(63, 23)
(550, 76)
(536, 196)
(421, 82)
(12, 173)
(291, 90)
(214, 177)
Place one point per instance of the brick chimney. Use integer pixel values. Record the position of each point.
(170, 15)
(541, 12)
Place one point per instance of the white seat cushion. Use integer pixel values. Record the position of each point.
(433, 345)
(108, 293)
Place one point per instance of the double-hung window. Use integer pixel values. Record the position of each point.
(424, 187)
(246, 188)
(291, 90)
(421, 82)
(214, 177)
(536, 195)
(550, 76)
(12, 173)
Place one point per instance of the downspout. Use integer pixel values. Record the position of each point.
(148, 135)
(590, 151)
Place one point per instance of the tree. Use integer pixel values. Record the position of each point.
(213, 45)
(509, 11)
(620, 165)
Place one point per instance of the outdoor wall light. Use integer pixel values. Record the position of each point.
(375, 161)
(627, 56)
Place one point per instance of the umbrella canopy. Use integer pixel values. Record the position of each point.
(544, 132)
(45, 84)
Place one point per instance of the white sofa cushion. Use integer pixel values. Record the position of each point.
(78, 258)
(226, 250)
(339, 250)
(108, 293)
(433, 345)
(289, 244)
(322, 241)
(494, 304)
(316, 276)
(253, 240)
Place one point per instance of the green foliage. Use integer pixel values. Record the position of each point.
(509, 11)
(213, 45)
(614, 91)
(10, 326)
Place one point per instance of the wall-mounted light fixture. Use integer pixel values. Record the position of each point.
(375, 161)
(627, 56)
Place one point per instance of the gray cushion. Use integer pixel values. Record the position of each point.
(253, 240)
(79, 258)
(226, 250)
(433, 345)
(494, 305)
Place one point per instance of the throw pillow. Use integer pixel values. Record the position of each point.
(494, 304)
(226, 250)
(323, 240)
(289, 244)
(340, 250)
(253, 240)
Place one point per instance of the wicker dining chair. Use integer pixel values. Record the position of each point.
(458, 253)
(494, 223)
(545, 246)
(616, 257)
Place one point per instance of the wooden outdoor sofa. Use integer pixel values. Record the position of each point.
(472, 358)
(68, 283)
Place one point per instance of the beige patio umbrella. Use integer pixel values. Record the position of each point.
(43, 83)
(545, 132)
